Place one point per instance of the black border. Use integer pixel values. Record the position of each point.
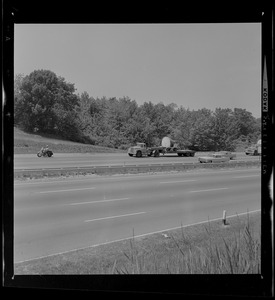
(267, 163)
(60, 11)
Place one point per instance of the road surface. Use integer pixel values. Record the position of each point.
(62, 160)
(58, 215)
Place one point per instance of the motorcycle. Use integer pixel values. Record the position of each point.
(47, 153)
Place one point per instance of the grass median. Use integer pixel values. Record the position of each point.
(207, 248)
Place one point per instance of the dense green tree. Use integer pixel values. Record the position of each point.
(46, 103)
(17, 97)
(84, 113)
(247, 125)
(33, 106)
(181, 127)
(224, 129)
(201, 131)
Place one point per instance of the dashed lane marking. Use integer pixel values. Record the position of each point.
(209, 190)
(69, 190)
(113, 217)
(257, 175)
(181, 181)
(98, 201)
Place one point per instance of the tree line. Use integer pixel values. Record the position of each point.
(46, 103)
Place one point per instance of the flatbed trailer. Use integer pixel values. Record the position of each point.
(141, 150)
(173, 150)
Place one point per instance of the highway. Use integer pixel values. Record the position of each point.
(58, 215)
(63, 160)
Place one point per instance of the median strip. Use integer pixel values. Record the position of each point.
(127, 169)
(113, 217)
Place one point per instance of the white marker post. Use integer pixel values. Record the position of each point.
(224, 217)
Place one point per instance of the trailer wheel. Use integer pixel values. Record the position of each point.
(156, 154)
(139, 154)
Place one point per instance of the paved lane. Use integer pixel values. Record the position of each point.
(62, 160)
(64, 214)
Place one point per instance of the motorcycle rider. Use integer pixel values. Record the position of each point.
(44, 149)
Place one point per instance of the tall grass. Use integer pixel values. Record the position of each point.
(239, 254)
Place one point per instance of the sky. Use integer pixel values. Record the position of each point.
(192, 65)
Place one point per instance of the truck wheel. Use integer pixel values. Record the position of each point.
(139, 154)
(255, 152)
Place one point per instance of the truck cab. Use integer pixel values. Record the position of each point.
(138, 150)
(141, 145)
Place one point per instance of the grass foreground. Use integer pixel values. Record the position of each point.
(206, 248)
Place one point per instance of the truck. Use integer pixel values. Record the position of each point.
(167, 146)
(255, 149)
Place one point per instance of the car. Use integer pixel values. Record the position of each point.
(227, 154)
(212, 158)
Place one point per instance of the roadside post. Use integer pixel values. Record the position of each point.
(224, 217)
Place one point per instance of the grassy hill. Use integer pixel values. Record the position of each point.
(31, 143)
